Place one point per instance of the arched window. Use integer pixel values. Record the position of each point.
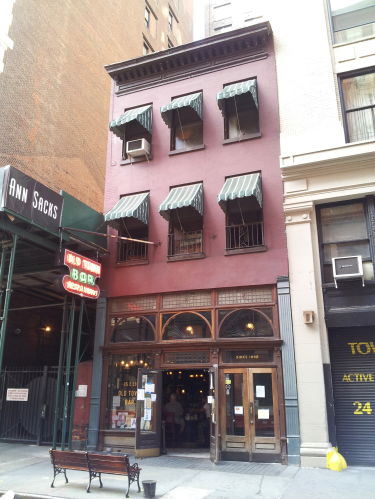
(187, 326)
(138, 328)
(244, 323)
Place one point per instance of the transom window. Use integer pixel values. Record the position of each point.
(187, 326)
(136, 328)
(244, 323)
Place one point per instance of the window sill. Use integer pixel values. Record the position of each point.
(187, 149)
(242, 139)
(132, 263)
(141, 159)
(178, 258)
(240, 251)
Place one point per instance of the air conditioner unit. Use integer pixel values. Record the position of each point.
(138, 147)
(347, 267)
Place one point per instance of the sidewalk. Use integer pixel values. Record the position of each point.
(27, 469)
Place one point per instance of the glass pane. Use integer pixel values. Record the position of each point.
(355, 33)
(263, 405)
(346, 249)
(234, 404)
(188, 134)
(361, 124)
(244, 323)
(186, 326)
(359, 91)
(343, 223)
(134, 329)
(148, 405)
(244, 122)
(122, 390)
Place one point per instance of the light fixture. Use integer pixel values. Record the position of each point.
(141, 361)
(183, 391)
(132, 362)
(189, 329)
(126, 365)
(122, 362)
(250, 325)
(145, 364)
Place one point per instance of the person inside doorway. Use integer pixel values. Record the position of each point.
(174, 413)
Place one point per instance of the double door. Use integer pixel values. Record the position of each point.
(249, 418)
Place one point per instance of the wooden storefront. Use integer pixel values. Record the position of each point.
(230, 336)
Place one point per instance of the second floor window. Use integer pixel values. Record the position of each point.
(353, 20)
(359, 105)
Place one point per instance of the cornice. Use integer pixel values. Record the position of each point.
(207, 55)
(328, 161)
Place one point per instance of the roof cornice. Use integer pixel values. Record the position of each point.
(210, 54)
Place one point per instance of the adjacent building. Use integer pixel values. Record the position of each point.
(196, 326)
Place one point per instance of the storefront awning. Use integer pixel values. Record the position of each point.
(243, 87)
(195, 101)
(243, 186)
(183, 197)
(134, 206)
(143, 115)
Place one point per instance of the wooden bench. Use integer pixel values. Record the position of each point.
(95, 464)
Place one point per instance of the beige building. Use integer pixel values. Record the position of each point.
(54, 103)
(325, 55)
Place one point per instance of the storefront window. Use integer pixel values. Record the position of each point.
(122, 390)
(186, 326)
(243, 324)
(141, 328)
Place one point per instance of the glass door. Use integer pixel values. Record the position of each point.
(148, 425)
(249, 413)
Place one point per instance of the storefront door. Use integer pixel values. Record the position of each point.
(249, 414)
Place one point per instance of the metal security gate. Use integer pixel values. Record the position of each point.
(353, 377)
(29, 420)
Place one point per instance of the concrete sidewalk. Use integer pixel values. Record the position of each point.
(27, 469)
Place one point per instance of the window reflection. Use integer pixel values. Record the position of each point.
(186, 326)
(138, 328)
(243, 323)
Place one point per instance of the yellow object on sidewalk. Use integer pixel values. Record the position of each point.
(335, 461)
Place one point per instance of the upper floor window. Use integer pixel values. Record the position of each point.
(134, 127)
(352, 20)
(171, 19)
(183, 208)
(183, 115)
(359, 106)
(343, 234)
(239, 105)
(147, 17)
(241, 200)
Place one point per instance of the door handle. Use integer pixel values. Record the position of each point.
(251, 411)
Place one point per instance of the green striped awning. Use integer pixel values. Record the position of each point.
(243, 87)
(195, 101)
(182, 197)
(133, 206)
(141, 114)
(243, 186)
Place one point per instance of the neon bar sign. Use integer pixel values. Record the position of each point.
(83, 273)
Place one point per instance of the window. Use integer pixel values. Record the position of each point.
(137, 126)
(132, 251)
(122, 390)
(147, 17)
(238, 103)
(244, 323)
(170, 19)
(359, 106)
(183, 115)
(353, 20)
(344, 233)
(241, 200)
(136, 328)
(147, 49)
(170, 44)
(187, 326)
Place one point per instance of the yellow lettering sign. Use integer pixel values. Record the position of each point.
(362, 347)
(358, 377)
(362, 408)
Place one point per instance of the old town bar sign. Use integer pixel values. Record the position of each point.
(83, 273)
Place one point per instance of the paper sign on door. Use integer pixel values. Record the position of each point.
(238, 409)
(263, 414)
(260, 391)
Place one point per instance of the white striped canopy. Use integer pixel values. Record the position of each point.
(182, 197)
(132, 206)
(243, 186)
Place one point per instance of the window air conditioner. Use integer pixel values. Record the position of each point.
(347, 267)
(138, 147)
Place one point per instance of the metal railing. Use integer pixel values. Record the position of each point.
(130, 251)
(244, 236)
(185, 243)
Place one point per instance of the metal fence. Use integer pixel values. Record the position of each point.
(244, 236)
(131, 251)
(185, 243)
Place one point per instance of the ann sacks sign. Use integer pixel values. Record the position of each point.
(82, 276)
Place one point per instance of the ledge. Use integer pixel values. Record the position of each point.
(132, 263)
(242, 138)
(141, 159)
(187, 149)
(240, 251)
(178, 258)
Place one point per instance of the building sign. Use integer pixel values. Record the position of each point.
(245, 356)
(24, 196)
(18, 394)
(83, 273)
